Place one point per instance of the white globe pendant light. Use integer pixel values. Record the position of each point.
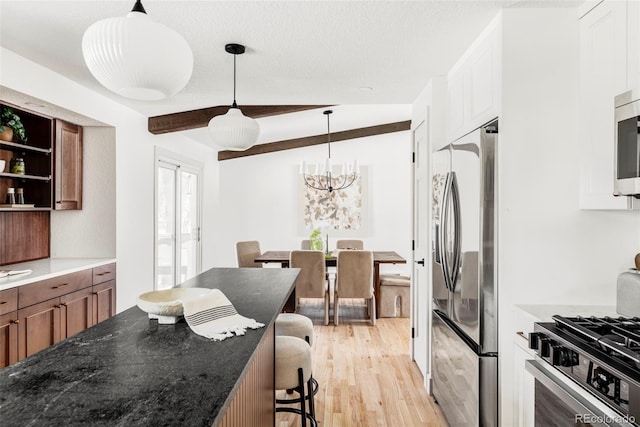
(136, 57)
(233, 130)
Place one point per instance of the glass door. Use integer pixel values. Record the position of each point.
(177, 218)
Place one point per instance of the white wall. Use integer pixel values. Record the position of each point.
(91, 231)
(550, 252)
(259, 196)
(134, 174)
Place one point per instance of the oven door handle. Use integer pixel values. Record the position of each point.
(573, 398)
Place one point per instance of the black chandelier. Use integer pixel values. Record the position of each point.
(323, 177)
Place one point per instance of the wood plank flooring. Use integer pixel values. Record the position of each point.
(365, 374)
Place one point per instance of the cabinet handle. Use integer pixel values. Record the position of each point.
(2, 302)
(60, 286)
(15, 322)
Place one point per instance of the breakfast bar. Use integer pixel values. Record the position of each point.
(130, 370)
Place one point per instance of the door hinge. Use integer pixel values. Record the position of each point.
(413, 332)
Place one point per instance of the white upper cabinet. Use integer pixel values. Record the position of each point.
(607, 68)
(633, 55)
(473, 84)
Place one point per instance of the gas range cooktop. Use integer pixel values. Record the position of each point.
(602, 354)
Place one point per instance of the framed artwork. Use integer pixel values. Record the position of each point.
(336, 213)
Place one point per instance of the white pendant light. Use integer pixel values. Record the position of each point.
(136, 57)
(234, 131)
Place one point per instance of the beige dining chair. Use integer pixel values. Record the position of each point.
(350, 244)
(247, 252)
(354, 279)
(312, 281)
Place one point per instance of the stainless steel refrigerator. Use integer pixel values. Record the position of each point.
(464, 358)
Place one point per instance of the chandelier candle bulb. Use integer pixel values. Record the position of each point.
(327, 166)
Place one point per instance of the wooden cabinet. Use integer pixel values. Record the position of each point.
(474, 84)
(68, 166)
(39, 327)
(39, 314)
(52, 156)
(608, 67)
(104, 292)
(8, 327)
(77, 312)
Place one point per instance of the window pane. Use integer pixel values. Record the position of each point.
(166, 228)
(189, 225)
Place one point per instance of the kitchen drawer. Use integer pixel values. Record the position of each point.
(104, 273)
(8, 300)
(54, 287)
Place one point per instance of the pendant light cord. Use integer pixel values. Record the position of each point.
(328, 113)
(234, 105)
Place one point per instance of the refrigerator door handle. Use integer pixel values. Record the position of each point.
(443, 232)
(457, 253)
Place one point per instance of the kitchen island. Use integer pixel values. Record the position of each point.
(129, 370)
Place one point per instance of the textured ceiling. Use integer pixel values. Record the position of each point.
(298, 52)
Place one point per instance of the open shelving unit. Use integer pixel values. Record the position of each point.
(37, 155)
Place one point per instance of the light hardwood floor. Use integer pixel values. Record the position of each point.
(365, 374)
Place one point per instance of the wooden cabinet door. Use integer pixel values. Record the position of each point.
(8, 339)
(39, 327)
(77, 312)
(104, 301)
(68, 166)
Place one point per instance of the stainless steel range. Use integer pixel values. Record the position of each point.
(602, 355)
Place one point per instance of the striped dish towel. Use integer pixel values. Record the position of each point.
(213, 316)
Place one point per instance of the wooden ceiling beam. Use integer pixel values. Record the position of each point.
(194, 119)
(307, 141)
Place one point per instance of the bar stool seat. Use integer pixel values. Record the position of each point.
(293, 370)
(395, 298)
(295, 325)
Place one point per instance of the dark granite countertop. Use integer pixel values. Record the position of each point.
(129, 371)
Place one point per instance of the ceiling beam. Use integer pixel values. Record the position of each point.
(307, 141)
(193, 119)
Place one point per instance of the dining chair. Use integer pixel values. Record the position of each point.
(305, 244)
(350, 244)
(312, 282)
(354, 279)
(247, 252)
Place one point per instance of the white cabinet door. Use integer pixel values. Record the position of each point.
(457, 105)
(485, 81)
(603, 75)
(523, 388)
(474, 84)
(633, 48)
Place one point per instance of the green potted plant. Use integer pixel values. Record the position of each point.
(11, 121)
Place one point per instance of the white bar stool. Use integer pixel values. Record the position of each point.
(297, 325)
(293, 370)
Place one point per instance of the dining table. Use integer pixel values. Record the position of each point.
(379, 257)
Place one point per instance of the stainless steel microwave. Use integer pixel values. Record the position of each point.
(627, 144)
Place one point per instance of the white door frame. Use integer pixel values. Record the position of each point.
(420, 290)
(178, 163)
